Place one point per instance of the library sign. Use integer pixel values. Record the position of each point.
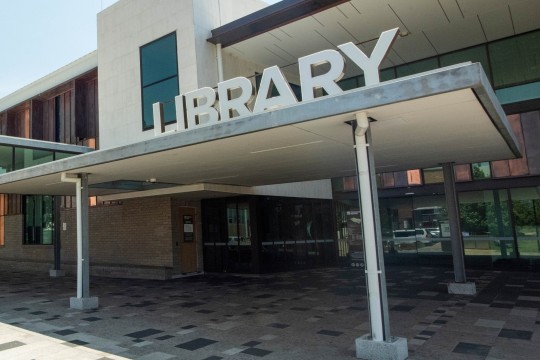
(237, 98)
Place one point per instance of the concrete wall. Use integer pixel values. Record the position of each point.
(129, 24)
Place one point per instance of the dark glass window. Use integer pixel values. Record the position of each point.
(159, 78)
(6, 159)
(474, 54)
(515, 60)
(38, 219)
(417, 67)
(481, 171)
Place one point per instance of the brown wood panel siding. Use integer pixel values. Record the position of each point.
(48, 120)
(388, 179)
(518, 166)
(3, 123)
(18, 123)
(462, 172)
(92, 113)
(14, 204)
(36, 119)
(531, 133)
(81, 114)
(500, 168)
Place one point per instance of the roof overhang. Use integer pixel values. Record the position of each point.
(269, 18)
(446, 115)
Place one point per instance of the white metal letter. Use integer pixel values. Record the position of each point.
(199, 105)
(159, 124)
(370, 65)
(227, 104)
(180, 114)
(273, 75)
(326, 81)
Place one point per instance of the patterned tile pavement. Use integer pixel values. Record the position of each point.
(310, 314)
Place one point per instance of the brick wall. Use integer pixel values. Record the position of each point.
(138, 232)
(14, 248)
(138, 238)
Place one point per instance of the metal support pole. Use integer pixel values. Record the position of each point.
(82, 208)
(375, 276)
(455, 226)
(83, 300)
(219, 57)
(57, 226)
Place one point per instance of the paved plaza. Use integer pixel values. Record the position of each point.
(314, 314)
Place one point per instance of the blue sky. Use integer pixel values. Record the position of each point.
(53, 33)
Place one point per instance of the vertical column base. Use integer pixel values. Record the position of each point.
(57, 273)
(395, 349)
(466, 288)
(84, 303)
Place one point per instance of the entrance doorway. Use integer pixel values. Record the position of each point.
(188, 245)
(239, 235)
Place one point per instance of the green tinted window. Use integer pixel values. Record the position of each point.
(417, 67)
(38, 220)
(164, 92)
(159, 78)
(481, 171)
(158, 60)
(30, 157)
(6, 159)
(515, 60)
(387, 74)
(475, 54)
(62, 155)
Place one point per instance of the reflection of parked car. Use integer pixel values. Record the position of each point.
(410, 234)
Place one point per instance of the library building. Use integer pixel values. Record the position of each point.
(241, 137)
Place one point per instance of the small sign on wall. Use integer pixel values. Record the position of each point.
(188, 228)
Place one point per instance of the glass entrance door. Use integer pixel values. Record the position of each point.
(239, 236)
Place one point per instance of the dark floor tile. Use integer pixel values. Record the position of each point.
(252, 343)
(329, 332)
(144, 333)
(65, 332)
(79, 342)
(165, 337)
(38, 312)
(256, 352)
(91, 319)
(196, 344)
(516, 334)
(213, 357)
(427, 332)
(188, 327)
(192, 304)
(472, 349)
(279, 325)
(20, 309)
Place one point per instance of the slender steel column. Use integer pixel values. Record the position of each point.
(57, 227)
(373, 251)
(455, 226)
(82, 203)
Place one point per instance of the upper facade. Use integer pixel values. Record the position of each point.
(152, 51)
